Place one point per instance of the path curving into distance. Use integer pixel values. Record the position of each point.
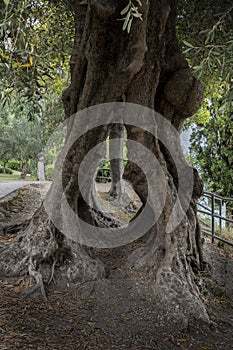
(8, 186)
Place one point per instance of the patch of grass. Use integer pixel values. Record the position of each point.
(16, 172)
(9, 177)
(16, 176)
(226, 233)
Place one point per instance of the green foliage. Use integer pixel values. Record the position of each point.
(5, 170)
(104, 169)
(211, 152)
(103, 172)
(201, 117)
(206, 35)
(214, 93)
(19, 138)
(52, 115)
(13, 164)
(34, 49)
(52, 150)
(49, 172)
(130, 12)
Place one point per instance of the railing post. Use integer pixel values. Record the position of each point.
(209, 210)
(212, 218)
(220, 214)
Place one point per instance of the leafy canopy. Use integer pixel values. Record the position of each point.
(206, 33)
(35, 48)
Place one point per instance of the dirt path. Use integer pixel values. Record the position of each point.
(19, 206)
(8, 186)
(115, 313)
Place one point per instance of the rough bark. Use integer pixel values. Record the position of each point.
(117, 192)
(145, 67)
(116, 159)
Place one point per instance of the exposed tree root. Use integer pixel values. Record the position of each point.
(52, 272)
(38, 250)
(166, 260)
(12, 229)
(39, 280)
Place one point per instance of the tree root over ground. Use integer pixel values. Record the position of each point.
(113, 313)
(42, 253)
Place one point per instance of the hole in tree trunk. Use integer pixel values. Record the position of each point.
(115, 195)
(124, 212)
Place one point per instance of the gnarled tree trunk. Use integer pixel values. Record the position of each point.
(145, 67)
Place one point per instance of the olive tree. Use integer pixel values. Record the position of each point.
(141, 65)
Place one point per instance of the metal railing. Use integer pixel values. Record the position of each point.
(103, 175)
(214, 208)
(210, 206)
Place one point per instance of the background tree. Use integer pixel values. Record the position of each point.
(211, 151)
(20, 138)
(209, 49)
(34, 50)
(24, 139)
(30, 70)
(208, 45)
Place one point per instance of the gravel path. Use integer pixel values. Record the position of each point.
(8, 186)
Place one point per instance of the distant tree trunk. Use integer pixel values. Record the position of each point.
(117, 191)
(147, 67)
(40, 167)
(4, 166)
(23, 169)
(116, 159)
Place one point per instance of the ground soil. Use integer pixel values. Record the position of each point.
(114, 313)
